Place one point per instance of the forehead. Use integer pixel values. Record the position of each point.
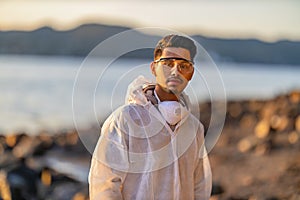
(176, 52)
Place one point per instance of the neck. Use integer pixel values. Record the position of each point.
(164, 95)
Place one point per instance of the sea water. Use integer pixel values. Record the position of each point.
(54, 93)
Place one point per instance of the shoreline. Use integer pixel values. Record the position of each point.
(254, 158)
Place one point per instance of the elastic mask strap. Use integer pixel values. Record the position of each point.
(149, 93)
(148, 90)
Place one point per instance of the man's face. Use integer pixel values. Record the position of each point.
(173, 74)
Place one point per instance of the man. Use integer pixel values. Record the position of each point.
(153, 147)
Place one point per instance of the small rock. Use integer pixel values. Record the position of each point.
(293, 137)
(262, 129)
(279, 123)
(217, 189)
(297, 124)
(246, 144)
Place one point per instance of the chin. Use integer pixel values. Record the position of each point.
(174, 90)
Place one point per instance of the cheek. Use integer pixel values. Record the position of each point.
(188, 76)
(162, 73)
(185, 78)
(184, 84)
(165, 71)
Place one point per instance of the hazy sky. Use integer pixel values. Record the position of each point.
(264, 19)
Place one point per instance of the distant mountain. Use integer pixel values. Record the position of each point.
(252, 51)
(46, 41)
(81, 40)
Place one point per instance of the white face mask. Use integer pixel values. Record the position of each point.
(172, 111)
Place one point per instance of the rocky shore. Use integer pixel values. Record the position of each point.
(43, 167)
(256, 157)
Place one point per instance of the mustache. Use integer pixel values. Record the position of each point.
(175, 79)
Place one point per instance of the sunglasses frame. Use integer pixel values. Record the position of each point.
(174, 58)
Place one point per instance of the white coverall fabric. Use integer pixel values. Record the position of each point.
(139, 157)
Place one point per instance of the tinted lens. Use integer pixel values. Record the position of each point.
(182, 65)
(185, 67)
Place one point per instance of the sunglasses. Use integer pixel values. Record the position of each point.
(184, 66)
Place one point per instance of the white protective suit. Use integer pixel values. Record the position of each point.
(139, 157)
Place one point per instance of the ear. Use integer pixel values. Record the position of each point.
(152, 67)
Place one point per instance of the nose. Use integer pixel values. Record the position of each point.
(174, 70)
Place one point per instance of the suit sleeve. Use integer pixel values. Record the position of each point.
(109, 164)
(202, 173)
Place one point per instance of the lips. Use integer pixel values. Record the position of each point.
(174, 80)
